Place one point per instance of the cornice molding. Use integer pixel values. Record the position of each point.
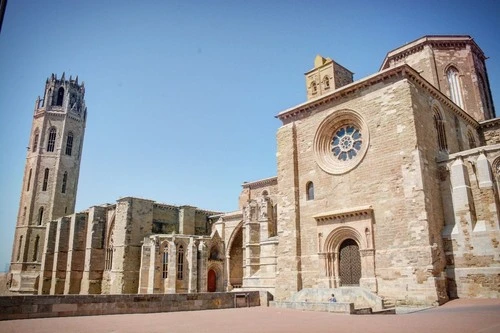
(344, 213)
(261, 183)
(400, 72)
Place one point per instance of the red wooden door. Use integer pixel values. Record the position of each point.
(212, 281)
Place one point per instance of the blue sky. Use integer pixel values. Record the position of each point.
(182, 95)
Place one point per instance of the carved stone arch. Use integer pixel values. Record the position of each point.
(237, 229)
(495, 166)
(337, 236)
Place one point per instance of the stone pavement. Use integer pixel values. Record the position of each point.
(455, 316)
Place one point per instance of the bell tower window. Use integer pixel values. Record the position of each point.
(52, 139)
(35, 140)
(40, 216)
(60, 97)
(69, 144)
(45, 180)
(64, 182)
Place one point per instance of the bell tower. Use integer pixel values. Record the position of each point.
(50, 175)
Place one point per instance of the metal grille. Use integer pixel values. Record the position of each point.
(350, 263)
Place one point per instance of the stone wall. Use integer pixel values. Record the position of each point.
(490, 132)
(23, 307)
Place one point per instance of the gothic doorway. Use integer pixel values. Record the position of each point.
(211, 281)
(350, 263)
(236, 259)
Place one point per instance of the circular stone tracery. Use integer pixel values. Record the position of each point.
(346, 142)
(341, 142)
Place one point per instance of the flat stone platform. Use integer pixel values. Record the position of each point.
(457, 316)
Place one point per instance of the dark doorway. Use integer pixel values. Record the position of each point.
(212, 281)
(350, 263)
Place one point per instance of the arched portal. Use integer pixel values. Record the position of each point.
(236, 259)
(349, 263)
(211, 281)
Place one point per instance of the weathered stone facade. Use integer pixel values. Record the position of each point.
(389, 183)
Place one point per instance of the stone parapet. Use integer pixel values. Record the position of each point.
(24, 307)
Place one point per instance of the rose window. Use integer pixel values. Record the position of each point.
(346, 143)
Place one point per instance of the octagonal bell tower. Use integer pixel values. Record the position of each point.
(50, 175)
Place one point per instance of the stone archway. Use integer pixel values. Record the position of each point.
(349, 263)
(236, 260)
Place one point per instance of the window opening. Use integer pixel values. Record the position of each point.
(69, 144)
(29, 180)
(165, 262)
(40, 216)
(52, 139)
(439, 123)
(65, 180)
(60, 97)
(454, 83)
(310, 191)
(180, 263)
(45, 180)
(35, 250)
(19, 248)
(472, 141)
(35, 141)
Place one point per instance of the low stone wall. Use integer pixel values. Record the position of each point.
(23, 307)
(347, 308)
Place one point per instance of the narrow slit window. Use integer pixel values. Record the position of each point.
(29, 180)
(19, 248)
(35, 250)
(165, 262)
(35, 141)
(40, 216)
(45, 180)
(69, 144)
(64, 182)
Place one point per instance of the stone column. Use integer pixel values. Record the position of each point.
(192, 257)
(172, 269)
(60, 256)
(94, 251)
(47, 258)
(76, 253)
(202, 267)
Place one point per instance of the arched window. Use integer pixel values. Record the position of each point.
(472, 141)
(45, 179)
(326, 82)
(52, 139)
(40, 216)
(29, 181)
(35, 140)
(310, 191)
(35, 250)
(180, 262)
(19, 248)
(108, 260)
(165, 262)
(69, 143)
(439, 123)
(454, 83)
(314, 87)
(65, 180)
(24, 214)
(60, 97)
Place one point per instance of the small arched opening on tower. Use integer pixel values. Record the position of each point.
(52, 139)
(310, 191)
(60, 96)
(69, 144)
(453, 81)
(40, 216)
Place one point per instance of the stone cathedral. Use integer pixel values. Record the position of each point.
(389, 184)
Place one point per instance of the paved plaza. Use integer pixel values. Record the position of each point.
(456, 316)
